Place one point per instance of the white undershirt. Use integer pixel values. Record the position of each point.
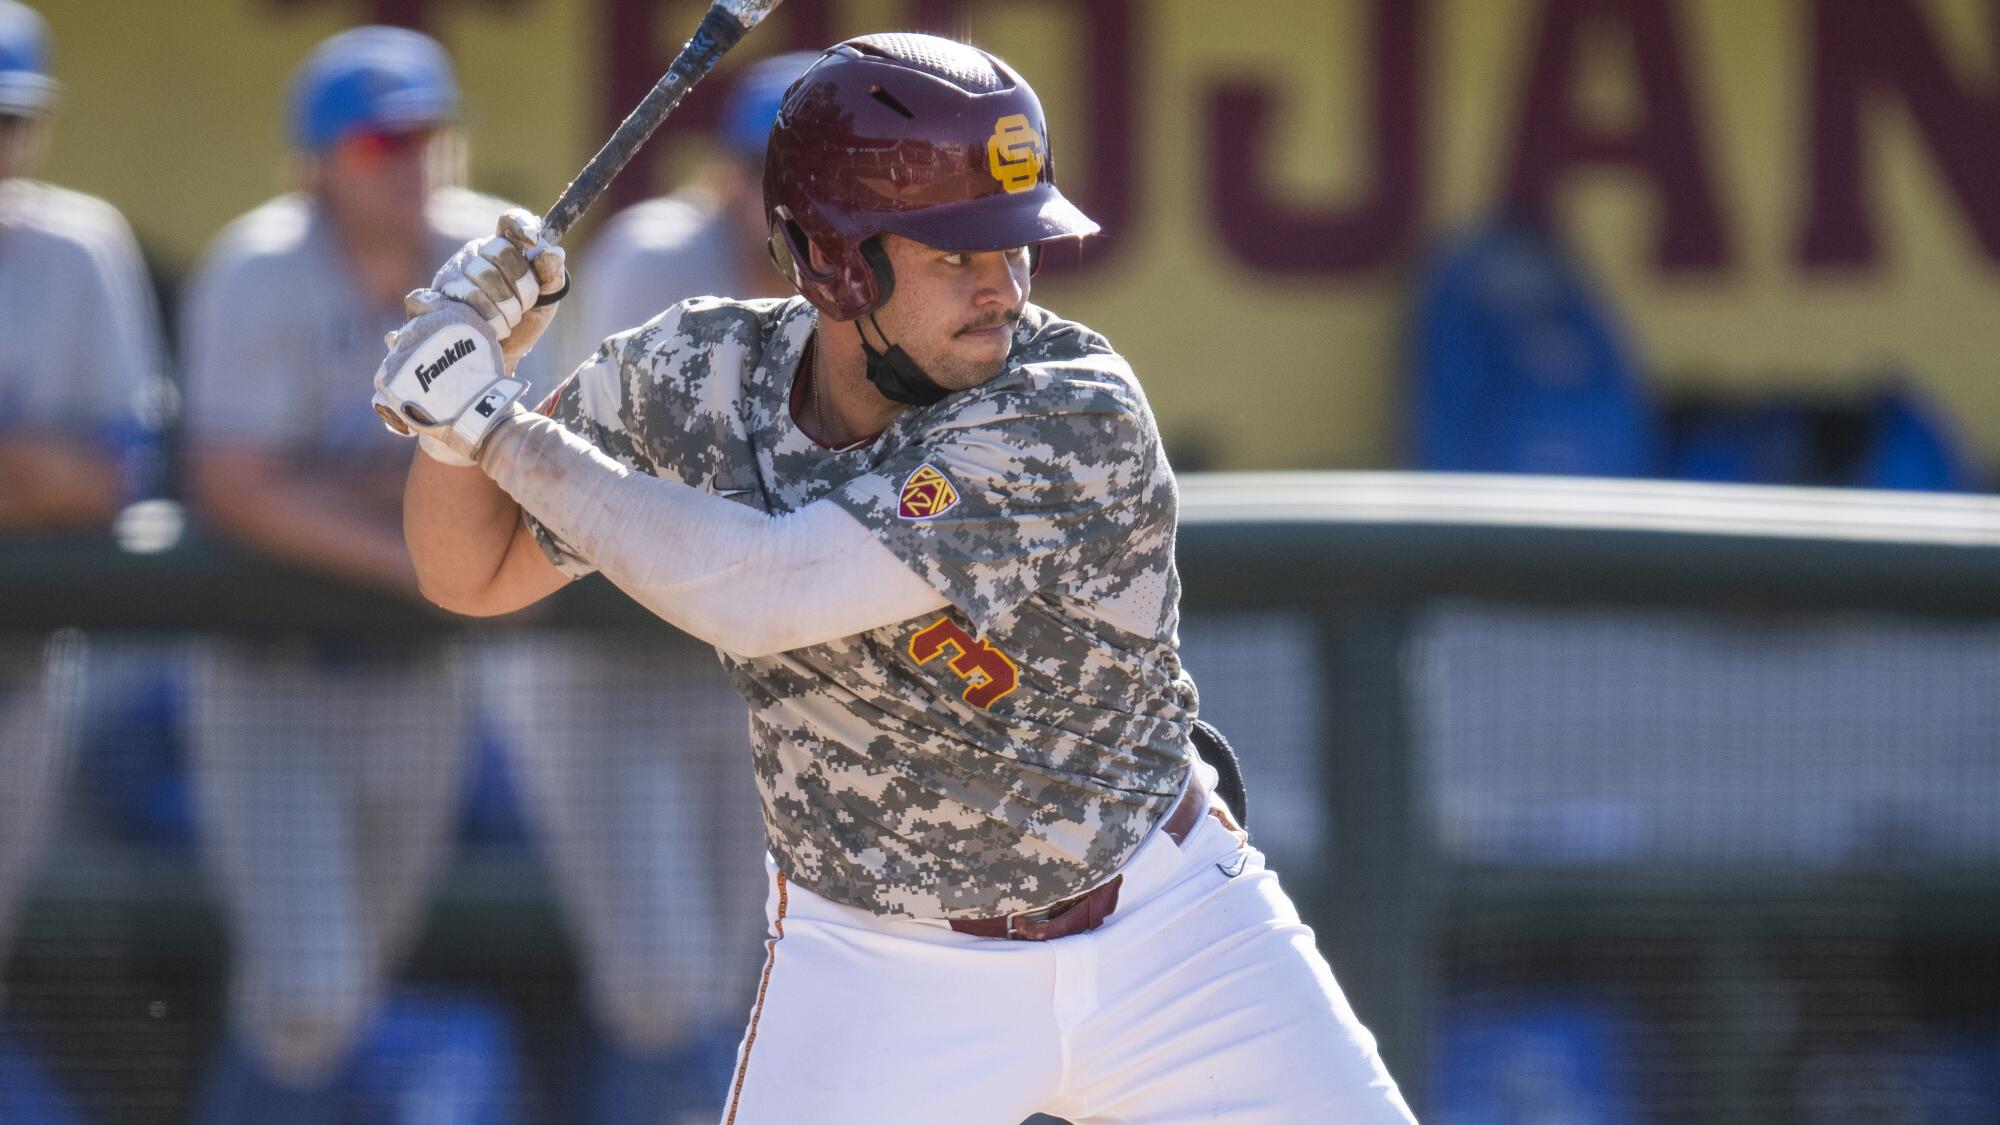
(747, 582)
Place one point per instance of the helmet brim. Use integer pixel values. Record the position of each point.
(996, 222)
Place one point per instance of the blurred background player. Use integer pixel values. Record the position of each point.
(326, 773)
(707, 237)
(79, 350)
(633, 757)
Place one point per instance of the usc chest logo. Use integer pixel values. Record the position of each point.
(989, 674)
(926, 493)
(1014, 153)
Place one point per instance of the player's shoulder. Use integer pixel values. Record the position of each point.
(459, 214)
(718, 319)
(262, 240)
(59, 219)
(705, 323)
(1057, 367)
(703, 335)
(662, 224)
(1041, 337)
(660, 246)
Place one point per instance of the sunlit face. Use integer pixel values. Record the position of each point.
(382, 180)
(952, 311)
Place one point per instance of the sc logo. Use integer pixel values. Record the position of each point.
(1014, 153)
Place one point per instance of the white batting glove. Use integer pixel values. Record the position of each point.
(443, 380)
(512, 279)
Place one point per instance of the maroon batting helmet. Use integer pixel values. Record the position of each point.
(906, 134)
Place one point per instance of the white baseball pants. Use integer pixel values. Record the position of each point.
(326, 791)
(1202, 998)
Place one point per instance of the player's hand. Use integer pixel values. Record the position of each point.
(513, 280)
(443, 379)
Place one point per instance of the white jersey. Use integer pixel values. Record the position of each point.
(281, 344)
(79, 332)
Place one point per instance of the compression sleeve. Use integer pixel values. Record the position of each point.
(747, 582)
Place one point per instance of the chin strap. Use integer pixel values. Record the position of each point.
(896, 375)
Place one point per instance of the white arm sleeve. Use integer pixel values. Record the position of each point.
(744, 581)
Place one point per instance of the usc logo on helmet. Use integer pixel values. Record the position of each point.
(1014, 153)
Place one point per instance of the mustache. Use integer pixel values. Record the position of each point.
(1008, 317)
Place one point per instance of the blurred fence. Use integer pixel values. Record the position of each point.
(1610, 802)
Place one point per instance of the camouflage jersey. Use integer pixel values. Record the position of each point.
(998, 755)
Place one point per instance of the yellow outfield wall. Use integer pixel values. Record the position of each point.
(1775, 192)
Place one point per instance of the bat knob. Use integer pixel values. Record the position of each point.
(390, 419)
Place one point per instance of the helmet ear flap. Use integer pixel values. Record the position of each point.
(859, 279)
(792, 253)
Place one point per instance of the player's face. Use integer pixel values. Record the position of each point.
(954, 312)
(383, 180)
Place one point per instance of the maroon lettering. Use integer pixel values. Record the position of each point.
(1662, 143)
(1332, 238)
(1865, 52)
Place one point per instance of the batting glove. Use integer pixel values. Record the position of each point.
(512, 279)
(443, 380)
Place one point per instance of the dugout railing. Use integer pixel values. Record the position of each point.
(1675, 801)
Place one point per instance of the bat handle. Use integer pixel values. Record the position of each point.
(719, 31)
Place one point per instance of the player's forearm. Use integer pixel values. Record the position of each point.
(50, 485)
(300, 523)
(747, 582)
(459, 526)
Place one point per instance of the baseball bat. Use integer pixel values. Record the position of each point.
(724, 24)
(722, 27)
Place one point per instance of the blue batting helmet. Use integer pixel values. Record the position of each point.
(370, 78)
(25, 86)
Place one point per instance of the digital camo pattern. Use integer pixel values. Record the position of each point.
(994, 757)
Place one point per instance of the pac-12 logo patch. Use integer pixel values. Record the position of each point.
(926, 493)
(1014, 153)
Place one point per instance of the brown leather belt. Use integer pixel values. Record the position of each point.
(1080, 914)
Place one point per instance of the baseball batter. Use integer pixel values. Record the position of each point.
(929, 526)
(79, 348)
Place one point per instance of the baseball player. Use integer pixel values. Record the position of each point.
(326, 774)
(79, 349)
(929, 527)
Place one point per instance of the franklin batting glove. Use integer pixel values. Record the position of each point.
(443, 379)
